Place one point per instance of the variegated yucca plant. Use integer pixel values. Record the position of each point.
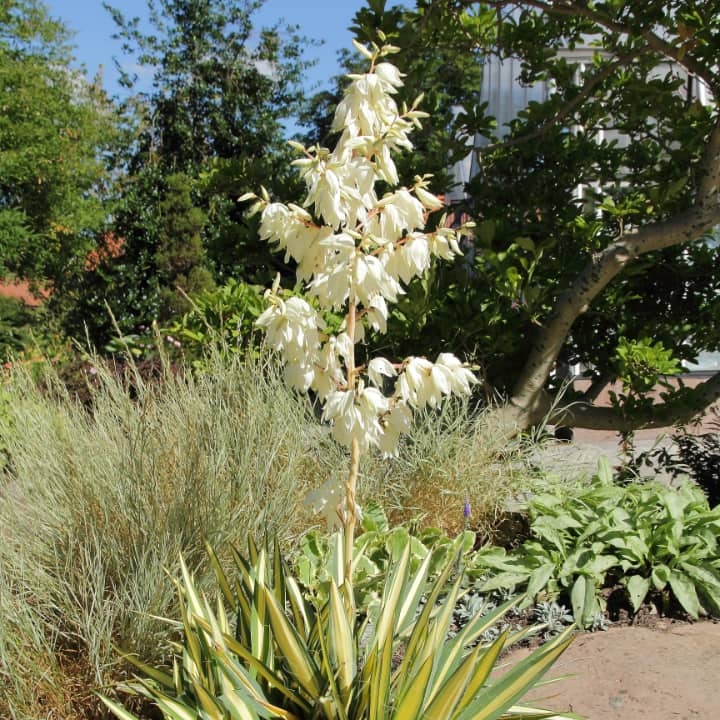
(265, 651)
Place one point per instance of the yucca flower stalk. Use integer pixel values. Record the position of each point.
(355, 251)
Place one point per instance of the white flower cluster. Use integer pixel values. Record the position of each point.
(355, 250)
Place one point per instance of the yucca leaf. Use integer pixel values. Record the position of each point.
(191, 595)
(443, 617)
(419, 645)
(252, 551)
(159, 676)
(223, 582)
(495, 699)
(333, 702)
(191, 651)
(236, 706)
(279, 573)
(118, 710)
(293, 648)
(483, 667)
(409, 703)
(174, 708)
(342, 641)
(207, 702)
(395, 585)
(259, 629)
(520, 712)
(271, 678)
(378, 678)
(303, 614)
(447, 692)
(412, 592)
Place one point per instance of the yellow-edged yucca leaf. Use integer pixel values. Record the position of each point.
(342, 640)
(118, 710)
(207, 702)
(260, 634)
(191, 595)
(448, 690)
(378, 678)
(520, 712)
(237, 674)
(293, 648)
(412, 593)
(409, 703)
(421, 629)
(236, 706)
(303, 614)
(454, 650)
(334, 702)
(174, 709)
(223, 582)
(192, 651)
(433, 625)
(159, 676)
(279, 573)
(386, 615)
(498, 697)
(440, 626)
(483, 667)
(252, 551)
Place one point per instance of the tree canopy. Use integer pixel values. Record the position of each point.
(596, 207)
(209, 128)
(55, 130)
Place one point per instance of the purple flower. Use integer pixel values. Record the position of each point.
(466, 509)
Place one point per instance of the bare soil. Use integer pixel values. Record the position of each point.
(662, 670)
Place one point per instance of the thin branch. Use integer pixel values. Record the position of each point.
(586, 91)
(655, 42)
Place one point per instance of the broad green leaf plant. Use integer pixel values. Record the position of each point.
(270, 648)
(647, 537)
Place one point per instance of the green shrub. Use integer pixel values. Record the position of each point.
(16, 324)
(648, 537)
(223, 316)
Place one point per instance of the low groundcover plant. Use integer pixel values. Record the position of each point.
(268, 651)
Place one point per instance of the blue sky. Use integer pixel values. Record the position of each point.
(318, 19)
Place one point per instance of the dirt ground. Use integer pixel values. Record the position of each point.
(667, 672)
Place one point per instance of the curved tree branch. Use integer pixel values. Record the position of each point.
(591, 82)
(600, 270)
(679, 409)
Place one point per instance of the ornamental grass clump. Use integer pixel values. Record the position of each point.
(265, 649)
